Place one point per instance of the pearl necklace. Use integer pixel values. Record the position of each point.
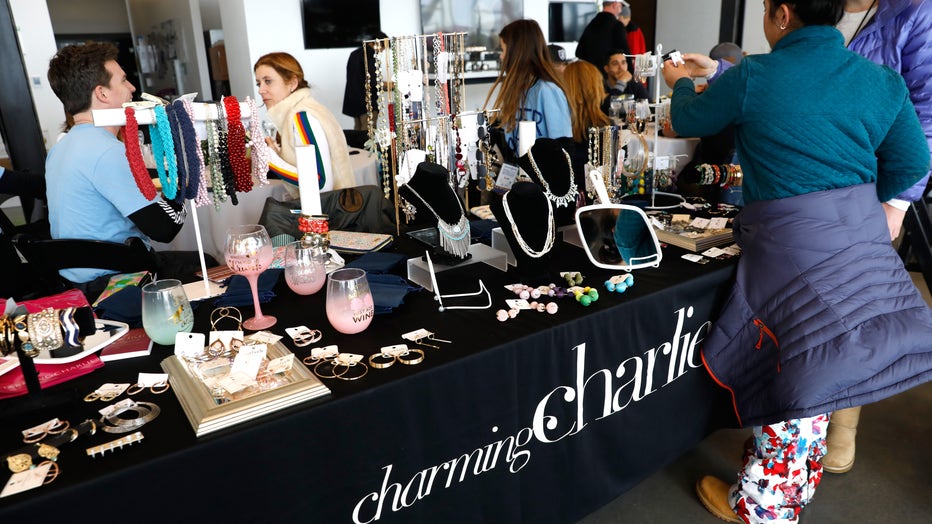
(454, 238)
(570, 196)
(548, 244)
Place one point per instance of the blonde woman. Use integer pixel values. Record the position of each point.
(585, 91)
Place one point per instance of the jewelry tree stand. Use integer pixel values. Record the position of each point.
(145, 114)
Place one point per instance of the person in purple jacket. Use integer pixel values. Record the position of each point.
(897, 34)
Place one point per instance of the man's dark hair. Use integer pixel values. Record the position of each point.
(813, 12)
(610, 54)
(76, 70)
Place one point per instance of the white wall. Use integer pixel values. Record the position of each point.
(37, 41)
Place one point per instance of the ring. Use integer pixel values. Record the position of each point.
(135, 388)
(381, 365)
(411, 361)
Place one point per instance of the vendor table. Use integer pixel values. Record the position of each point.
(542, 418)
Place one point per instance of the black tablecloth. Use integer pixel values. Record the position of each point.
(542, 418)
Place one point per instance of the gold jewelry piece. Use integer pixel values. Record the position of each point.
(59, 427)
(411, 361)
(92, 396)
(306, 338)
(226, 312)
(134, 389)
(53, 472)
(19, 462)
(161, 387)
(45, 330)
(333, 369)
(49, 452)
(381, 365)
(342, 376)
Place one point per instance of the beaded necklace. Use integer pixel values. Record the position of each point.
(180, 158)
(259, 149)
(454, 238)
(187, 138)
(213, 161)
(134, 155)
(571, 193)
(229, 180)
(548, 243)
(201, 198)
(163, 149)
(236, 145)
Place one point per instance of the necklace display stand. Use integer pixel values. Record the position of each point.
(428, 189)
(525, 215)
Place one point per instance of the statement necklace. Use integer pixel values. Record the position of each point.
(454, 238)
(571, 194)
(548, 244)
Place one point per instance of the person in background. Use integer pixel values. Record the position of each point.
(618, 79)
(584, 90)
(354, 95)
(558, 57)
(636, 43)
(897, 34)
(727, 51)
(603, 33)
(287, 97)
(91, 191)
(528, 87)
(815, 319)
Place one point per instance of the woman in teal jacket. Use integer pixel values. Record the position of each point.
(819, 291)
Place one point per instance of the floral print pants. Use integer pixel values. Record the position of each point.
(781, 471)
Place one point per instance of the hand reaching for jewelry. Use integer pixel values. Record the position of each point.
(673, 73)
(274, 145)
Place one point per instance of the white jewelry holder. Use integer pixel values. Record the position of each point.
(145, 115)
(420, 272)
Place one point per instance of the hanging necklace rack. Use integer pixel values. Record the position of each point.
(420, 92)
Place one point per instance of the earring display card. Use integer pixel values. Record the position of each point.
(208, 413)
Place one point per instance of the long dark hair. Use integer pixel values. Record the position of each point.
(526, 61)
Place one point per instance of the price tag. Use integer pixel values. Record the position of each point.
(147, 380)
(506, 177)
(112, 408)
(395, 350)
(732, 250)
(662, 162)
(417, 334)
(189, 345)
(264, 337)
(699, 259)
(325, 352)
(700, 223)
(281, 364)
(248, 360)
(348, 359)
(518, 303)
(718, 223)
(26, 480)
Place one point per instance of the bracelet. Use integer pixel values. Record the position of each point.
(113, 423)
(44, 330)
(66, 317)
(134, 155)
(226, 312)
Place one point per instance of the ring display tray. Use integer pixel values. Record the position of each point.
(419, 272)
(207, 416)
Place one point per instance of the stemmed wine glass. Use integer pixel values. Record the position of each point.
(249, 252)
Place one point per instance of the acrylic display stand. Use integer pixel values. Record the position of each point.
(419, 272)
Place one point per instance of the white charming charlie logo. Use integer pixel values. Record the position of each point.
(636, 381)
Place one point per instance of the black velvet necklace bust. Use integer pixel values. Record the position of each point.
(430, 191)
(528, 213)
(550, 166)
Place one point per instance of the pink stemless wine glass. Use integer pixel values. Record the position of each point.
(305, 269)
(249, 252)
(349, 302)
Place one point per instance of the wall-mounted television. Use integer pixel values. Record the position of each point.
(333, 23)
(481, 20)
(568, 19)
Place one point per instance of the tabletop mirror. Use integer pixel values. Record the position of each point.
(616, 236)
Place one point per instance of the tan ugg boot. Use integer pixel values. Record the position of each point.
(842, 429)
(713, 493)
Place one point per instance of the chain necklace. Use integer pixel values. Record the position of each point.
(548, 243)
(571, 193)
(454, 238)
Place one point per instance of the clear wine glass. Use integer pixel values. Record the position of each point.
(248, 252)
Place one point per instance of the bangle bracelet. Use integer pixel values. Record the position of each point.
(113, 423)
(70, 327)
(44, 330)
